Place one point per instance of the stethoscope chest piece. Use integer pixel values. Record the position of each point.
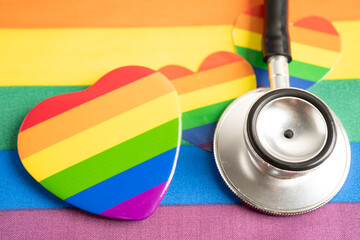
(282, 151)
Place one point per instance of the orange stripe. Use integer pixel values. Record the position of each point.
(91, 113)
(136, 13)
(333, 10)
(117, 13)
(250, 23)
(315, 38)
(218, 59)
(212, 77)
(175, 71)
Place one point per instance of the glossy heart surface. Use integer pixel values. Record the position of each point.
(315, 47)
(205, 94)
(110, 149)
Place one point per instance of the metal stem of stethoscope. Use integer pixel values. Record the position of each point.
(278, 72)
(281, 150)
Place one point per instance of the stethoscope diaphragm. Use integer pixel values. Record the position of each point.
(291, 129)
(284, 186)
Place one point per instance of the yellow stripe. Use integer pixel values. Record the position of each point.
(217, 93)
(347, 66)
(81, 56)
(313, 55)
(300, 52)
(101, 137)
(247, 39)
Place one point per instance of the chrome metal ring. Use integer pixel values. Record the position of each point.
(273, 160)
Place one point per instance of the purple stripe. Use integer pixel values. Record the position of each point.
(139, 207)
(127, 184)
(208, 146)
(333, 221)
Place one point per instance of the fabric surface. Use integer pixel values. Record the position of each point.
(333, 221)
(54, 47)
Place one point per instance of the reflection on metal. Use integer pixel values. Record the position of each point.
(291, 130)
(278, 72)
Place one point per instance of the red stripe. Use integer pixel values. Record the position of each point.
(109, 82)
(257, 11)
(219, 59)
(317, 24)
(214, 60)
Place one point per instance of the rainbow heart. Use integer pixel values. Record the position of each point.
(315, 46)
(110, 149)
(204, 95)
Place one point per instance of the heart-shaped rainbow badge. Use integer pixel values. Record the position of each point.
(110, 149)
(315, 46)
(204, 95)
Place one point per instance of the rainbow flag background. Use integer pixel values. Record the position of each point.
(53, 47)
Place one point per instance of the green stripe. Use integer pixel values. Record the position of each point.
(204, 115)
(343, 97)
(16, 102)
(297, 69)
(252, 56)
(186, 143)
(113, 161)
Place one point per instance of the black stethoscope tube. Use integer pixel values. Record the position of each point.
(276, 41)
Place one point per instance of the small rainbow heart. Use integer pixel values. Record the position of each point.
(315, 46)
(204, 95)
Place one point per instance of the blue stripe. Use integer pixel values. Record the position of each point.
(262, 79)
(126, 185)
(19, 190)
(350, 192)
(201, 134)
(196, 181)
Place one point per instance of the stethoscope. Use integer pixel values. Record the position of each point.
(281, 150)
